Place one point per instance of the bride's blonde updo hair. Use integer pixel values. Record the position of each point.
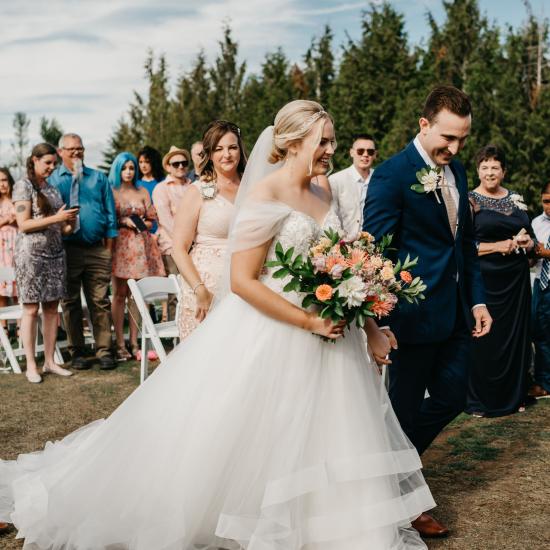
(293, 123)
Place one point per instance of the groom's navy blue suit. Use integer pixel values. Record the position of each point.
(433, 335)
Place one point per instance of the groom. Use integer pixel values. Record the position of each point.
(434, 224)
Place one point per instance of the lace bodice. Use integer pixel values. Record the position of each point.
(299, 231)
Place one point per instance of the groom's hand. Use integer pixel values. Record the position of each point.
(483, 321)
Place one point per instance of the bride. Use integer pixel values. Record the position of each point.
(255, 433)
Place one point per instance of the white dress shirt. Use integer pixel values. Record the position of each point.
(541, 227)
(349, 192)
(449, 176)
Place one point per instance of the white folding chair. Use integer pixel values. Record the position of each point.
(144, 292)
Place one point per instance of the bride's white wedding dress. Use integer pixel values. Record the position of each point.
(253, 434)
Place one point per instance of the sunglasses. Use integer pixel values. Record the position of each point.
(179, 164)
(369, 152)
(545, 201)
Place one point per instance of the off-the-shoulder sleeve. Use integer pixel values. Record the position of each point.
(256, 223)
(22, 191)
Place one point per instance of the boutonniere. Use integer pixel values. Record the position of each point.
(209, 190)
(517, 199)
(430, 181)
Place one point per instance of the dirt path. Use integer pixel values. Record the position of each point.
(487, 476)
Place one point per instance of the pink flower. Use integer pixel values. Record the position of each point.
(319, 264)
(337, 270)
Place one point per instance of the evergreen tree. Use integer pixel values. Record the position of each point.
(227, 78)
(50, 130)
(372, 79)
(20, 141)
(319, 68)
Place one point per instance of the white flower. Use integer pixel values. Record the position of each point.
(208, 190)
(353, 290)
(517, 199)
(430, 181)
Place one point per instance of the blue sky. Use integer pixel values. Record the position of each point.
(80, 60)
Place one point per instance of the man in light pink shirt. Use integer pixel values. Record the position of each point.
(166, 198)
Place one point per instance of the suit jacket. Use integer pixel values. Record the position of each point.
(420, 227)
(346, 194)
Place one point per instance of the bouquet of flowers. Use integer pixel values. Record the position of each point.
(349, 280)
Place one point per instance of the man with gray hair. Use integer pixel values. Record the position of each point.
(88, 249)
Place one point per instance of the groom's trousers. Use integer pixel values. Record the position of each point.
(442, 369)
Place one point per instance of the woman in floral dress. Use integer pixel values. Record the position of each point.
(135, 253)
(202, 222)
(8, 231)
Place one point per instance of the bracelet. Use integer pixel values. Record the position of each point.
(197, 286)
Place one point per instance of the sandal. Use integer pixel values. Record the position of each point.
(122, 354)
(135, 351)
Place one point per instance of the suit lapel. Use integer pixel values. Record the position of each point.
(462, 188)
(418, 163)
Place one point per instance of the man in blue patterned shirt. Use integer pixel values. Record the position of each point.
(88, 249)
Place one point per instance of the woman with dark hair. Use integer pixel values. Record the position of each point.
(135, 252)
(8, 232)
(203, 219)
(40, 267)
(150, 169)
(498, 374)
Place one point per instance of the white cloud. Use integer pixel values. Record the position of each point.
(79, 61)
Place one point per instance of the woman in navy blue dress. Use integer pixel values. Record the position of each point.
(498, 373)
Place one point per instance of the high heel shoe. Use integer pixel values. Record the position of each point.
(56, 369)
(33, 377)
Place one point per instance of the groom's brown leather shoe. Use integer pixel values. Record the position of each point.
(4, 527)
(429, 527)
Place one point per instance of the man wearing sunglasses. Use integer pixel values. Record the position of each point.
(541, 299)
(166, 197)
(349, 186)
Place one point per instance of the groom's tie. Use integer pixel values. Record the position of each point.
(545, 270)
(450, 204)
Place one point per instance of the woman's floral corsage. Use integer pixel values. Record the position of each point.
(349, 280)
(517, 199)
(208, 190)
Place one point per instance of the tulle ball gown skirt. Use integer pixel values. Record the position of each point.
(253, 434)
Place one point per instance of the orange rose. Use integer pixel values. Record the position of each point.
(323, 293)
(406, 277)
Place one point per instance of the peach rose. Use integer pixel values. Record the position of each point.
(323, 293)
(406, 277)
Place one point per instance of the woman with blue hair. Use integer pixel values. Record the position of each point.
(135, 253)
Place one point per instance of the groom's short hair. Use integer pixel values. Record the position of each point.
(446, 98)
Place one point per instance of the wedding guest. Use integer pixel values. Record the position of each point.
(166, 197)
(8, 232)
(541, 300)
(203, 220)
(498, 374)
(135, 252)
(349, 186)
(40, 266)
(196, 156)
(150, 169)
(88, 251)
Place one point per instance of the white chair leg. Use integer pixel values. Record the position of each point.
(57, 355)
(158, 347)
(144, 359)
(10, 356)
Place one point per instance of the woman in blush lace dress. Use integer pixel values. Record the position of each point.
(203, 219)
(255, 433)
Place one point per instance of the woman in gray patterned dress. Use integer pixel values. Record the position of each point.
(39, 256)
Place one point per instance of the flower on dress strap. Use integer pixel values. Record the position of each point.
(208, 190)
(517, 199)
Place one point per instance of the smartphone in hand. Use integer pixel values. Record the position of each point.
(138, 222)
